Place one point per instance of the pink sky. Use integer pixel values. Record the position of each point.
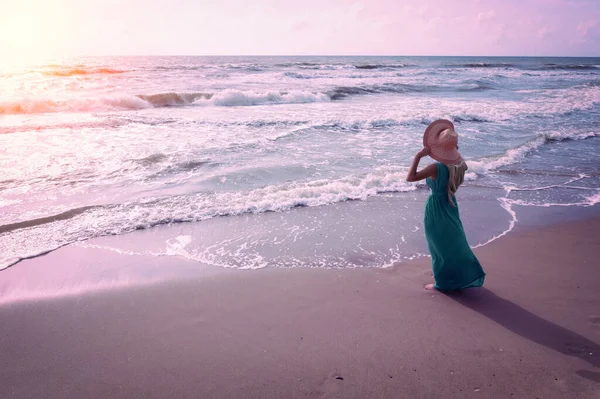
(323, 27)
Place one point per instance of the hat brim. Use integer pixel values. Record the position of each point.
(443, 155)
(435, 128)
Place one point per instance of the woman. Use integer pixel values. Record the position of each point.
(455, 266)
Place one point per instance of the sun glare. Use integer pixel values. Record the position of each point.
(30, 32)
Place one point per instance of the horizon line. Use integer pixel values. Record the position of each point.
(328, 55)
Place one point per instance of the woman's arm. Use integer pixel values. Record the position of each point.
(429, 171)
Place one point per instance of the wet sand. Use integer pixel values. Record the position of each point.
(533, 331)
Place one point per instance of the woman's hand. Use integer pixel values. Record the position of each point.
(430, 171)
(423, 153)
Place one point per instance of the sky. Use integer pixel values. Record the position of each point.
(57, 28)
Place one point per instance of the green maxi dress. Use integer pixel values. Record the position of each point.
(454, 264)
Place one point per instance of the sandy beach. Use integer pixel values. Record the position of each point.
(532, 332)
(255, 200)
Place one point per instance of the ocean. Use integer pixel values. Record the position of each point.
(251, 162)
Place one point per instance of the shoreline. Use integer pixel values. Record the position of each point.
(383, 209)
(81, 267)
(533, 330)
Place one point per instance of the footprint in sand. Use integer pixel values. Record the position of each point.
(332, 386)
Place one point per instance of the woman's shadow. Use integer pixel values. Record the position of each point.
(528, 325)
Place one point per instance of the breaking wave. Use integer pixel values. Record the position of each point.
(228, 97)
(346, 91)
(539, 67)
(569, 67)
(173, 99)
(233, 97)
(517, 154)
(380, 66)
(485, 65)
(52, 232)
(314, 65)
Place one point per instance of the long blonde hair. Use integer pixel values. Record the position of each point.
(455, 178)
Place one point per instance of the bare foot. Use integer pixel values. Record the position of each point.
(430, 287)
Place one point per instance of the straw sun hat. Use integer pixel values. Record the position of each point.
(442, 141)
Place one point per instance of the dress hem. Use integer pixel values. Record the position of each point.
(464, 286)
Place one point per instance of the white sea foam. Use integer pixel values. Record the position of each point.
(511, 156)
(561, 136)
(185, 140)
(587, 201)
(541, 103)
(177, 245)
(152, 211)
(507, 206)
(232, 97)
(593, 199)
(217, 255)
(517, 154)
(229, 97)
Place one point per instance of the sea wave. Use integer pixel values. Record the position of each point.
(297, 75)
(375, 123)
(576, 97)
(517, 154)
(232, 97)
(227, 97)
(341, 92)
(365, 66)
(382, 123)
(46, 234)
(346, 91)
(539, 67)
(468, 118)
(565, 136)
(380, 66)
(474, 86)
(295, 64)
(568, 67)
(173, 99)
(251, 67)
(179, 167)
(281, 197)
(593, 83)
(483, 65)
